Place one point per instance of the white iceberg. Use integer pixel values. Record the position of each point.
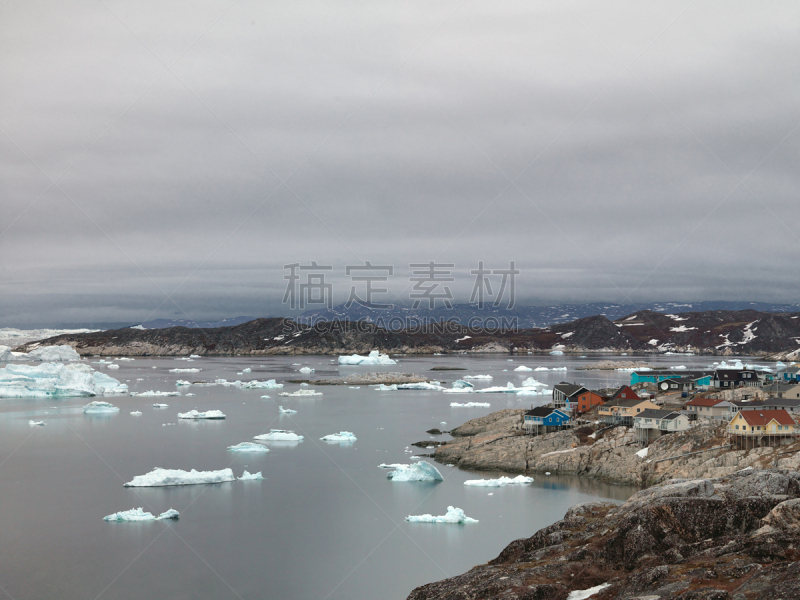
(557, 353)
(137, 514)
(113, 366)
(136, 413)
(342, 436)
(159, 405)
(182, 382)
(421, 471)
(470, 405)
(246, 476)
(461, 384)
(54, 354)
(420, 386)
(247, 370)
(98, 407)
(534, 392)
(531, 382)
(195, 414)
(279, 435)
(258, 385)
(154, 394)
(306, 370)
(194, 356)
(387, 388)
(56, 380)
(523, 368)
(163, 477)
(248, 447)
(499, 482)
(454, 515)
(460, 390)
(374, 358)
(499, 389)
(286, 411)
(301, 393)
(184, 370)
(477, 377)
(35, 423)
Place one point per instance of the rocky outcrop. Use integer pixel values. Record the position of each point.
(731, 538)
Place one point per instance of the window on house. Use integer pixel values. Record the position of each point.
(737, 427)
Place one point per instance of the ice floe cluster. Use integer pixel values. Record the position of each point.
(454, 515)
(374, 358)
(56, 380)
(163, 477)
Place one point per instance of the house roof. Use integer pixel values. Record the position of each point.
(623, 402)
(762, 417)
(652, 413)
(624, 389)
(541, 411)
(568, 389)
(704, 402)
(731, 374)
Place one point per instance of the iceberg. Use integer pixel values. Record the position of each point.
(374, 358)
(342, 436)
(498, 389)
(182, 382)
(54, 354)
(98, 407)
(557, 353)
(478, 377)
(470, 405)
(136, 413)
(420, 471)
(286, 411)
(113, 366)
(258, 385)
(137, 514)
(159, 405)
(248, 447)
(34, 423)
(534, 392)
(301, 393)
(420, 386)
(531, 382)
(461, 384)
(209, 414)
(387, 388)
(163, 477)
(499, 482)
(56, 380)
(194, 356)
(250, 476)
(454, 515)
(306, 370)
(184, 370)
(279, 435)
(152, 393)
(523, 368)
(247, 370)
(552, 369)
(460, 390)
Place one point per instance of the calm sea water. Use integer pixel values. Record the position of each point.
(324, 524)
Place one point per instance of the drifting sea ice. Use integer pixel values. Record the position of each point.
(374, 358)
(98, 407)
(247, 370)
(137, 514)
(184, 370)
(153, 394)
(523, 368)
(182, 382)
(557, 353)
(535, 392)
(531, 382)
(254, 385)
(306, 370)
(163, 477)
(33, 423)
(456, 390)
(159, 405)
(551, 369)
(195, 414)
(56, 380)
(301, 393)
(478, 377)
(54, 354)
(136, 413)
(420, 386)
(508, 389)
(113, 366)
(386, 388)
(250, 476)
(279, 435)
(342, 436)
(461, 384)
(248, 447)
(470, 405)
(285, 411)
(499, 482)
(421, 471)
(454, 515)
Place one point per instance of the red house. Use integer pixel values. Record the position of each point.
(586, 400)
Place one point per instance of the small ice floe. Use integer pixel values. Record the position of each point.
(531, 382)
(420, 386)
(443, 423)
(499, 482)
(374, 358)
(270, 384)
(306, 370)
(279, 435)
(248, 447)
(113, 366)
(387, 388)
(246, 476)
(523, 368)
(35, 423)
(98, 407)
(182, 382)
(477, 377)
(184, 370)
(587, 593)
(547, 472)
(304, 384)
(535, 392)
(421, 471)
(509, 388)
(343, 437)
(265, 397)
(190, 394)
(354, 387)
(301, 393)
(137, 514)
(123, 358)
(557, 353)
(470, 405)
(153, 394)
(454, 515)
(164, 477)
(285, 411)
(247, 370)
(194, 356)
(159, 405)
(136, 413)
(209, 414)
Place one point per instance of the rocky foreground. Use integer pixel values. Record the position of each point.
(730, 538)
(497, 442)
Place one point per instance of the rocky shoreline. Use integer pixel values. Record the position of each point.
(728, 538)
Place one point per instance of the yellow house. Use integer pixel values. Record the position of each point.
(624, 410)
(762, 422)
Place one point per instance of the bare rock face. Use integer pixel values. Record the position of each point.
(731, 538)
(507, 420)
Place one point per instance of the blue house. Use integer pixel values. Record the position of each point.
(542, 416)
(702, 379)
(789, 374)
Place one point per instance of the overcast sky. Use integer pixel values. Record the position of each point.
(167, 159)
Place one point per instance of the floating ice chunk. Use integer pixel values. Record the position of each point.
(33, 423)
(279, 435)
(190, 394)
(306, 370)
(550, 369)
(421, 471)
(248, 447)
(194, 356)
(587, 593)
(642, 453)
(387, 388)
(195, 414)
(285, 411)
(470, 405)
(342, 436)
(113, 366)
(159, 405)
(250, 476)
(531, 382)
(478, 377)
(98, 407)
(419, 386)
(301, 393)
(153, 393)
(54, 354)
(247, 370)
(454, 515)
(374, 358)
(443, 423)
(56, 380)
(460, 390)
(391, 466)
(137, 514)
(534, 392)
(182, 382)
(523, 368)
(557, 353)
(461, 384)
(184, 370)
(354, 387)
(499, 389)
(499, 482)
(163, 477)
(136, 413)
(256, 385)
